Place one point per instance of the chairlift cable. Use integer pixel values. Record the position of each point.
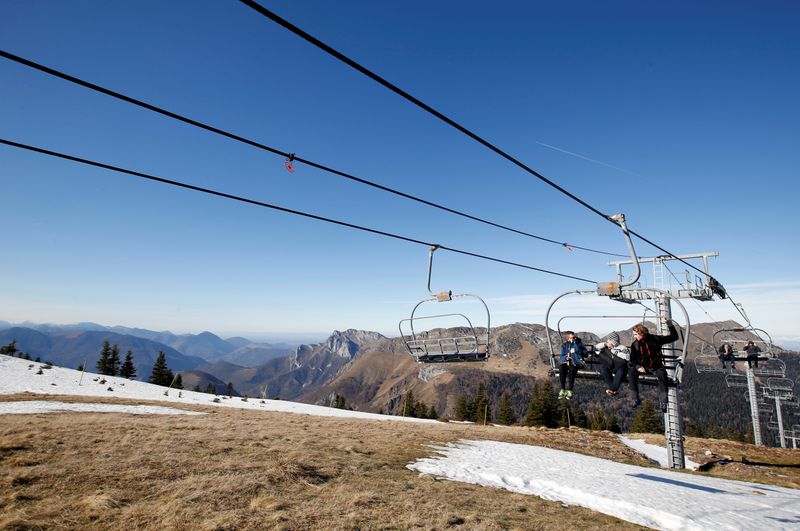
(279, 208)
(293, 156)
(402, 93)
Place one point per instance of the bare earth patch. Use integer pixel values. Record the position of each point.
(235, 469)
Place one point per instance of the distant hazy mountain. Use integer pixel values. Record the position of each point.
(255, 354)
(201, 379)
(72, 348)
(237, 341)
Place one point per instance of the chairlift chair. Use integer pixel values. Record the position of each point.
(770, 367)
(707, 362)
(739, 337)
(439, 344)
(736, 380)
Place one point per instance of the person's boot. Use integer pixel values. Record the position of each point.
(562, 394)
(569, 394)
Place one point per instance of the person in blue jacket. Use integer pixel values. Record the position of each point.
(572, 353)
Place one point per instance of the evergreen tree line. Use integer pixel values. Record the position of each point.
(544, 409)
(11, 350)
(109, 363)
(412, 407)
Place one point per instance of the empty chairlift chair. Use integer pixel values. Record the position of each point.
(435, 339)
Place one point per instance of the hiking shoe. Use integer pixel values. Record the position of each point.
(569, 394)
(562, 394)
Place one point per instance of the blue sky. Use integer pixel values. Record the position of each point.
(689, 113)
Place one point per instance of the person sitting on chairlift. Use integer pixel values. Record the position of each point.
(612, 363)
(752, 351)
(572, 353)
(726, 353)
(646, 358)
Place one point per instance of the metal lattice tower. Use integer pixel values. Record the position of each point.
(751, 390)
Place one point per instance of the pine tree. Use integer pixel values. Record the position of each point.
(113, 361)
(178, 382)
(543, 408)
(196, 388)
(128, 370)
(229, 389)
(409, 404)
(10, 349)
(432, 413)
(461, 413)
(482, 411)
(210, 389)
(161, 375)
(646, 419)
(339, 402)
(105, 357)
(599, 421)
(613, 423)
(579, 417)
(506, 415)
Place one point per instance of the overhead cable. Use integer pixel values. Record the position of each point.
(292, 156)
(397, 90)
(279, 208)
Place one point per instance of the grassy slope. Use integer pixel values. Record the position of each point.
(258, 470)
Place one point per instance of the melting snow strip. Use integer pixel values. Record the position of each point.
(661, 499)
(41, 406)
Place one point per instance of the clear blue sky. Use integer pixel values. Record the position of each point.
(689, 112)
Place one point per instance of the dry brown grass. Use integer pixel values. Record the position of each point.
(234, 469)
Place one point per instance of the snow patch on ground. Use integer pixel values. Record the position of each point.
(661, 499)
(40, 406)
(657, 454)
(21, 376)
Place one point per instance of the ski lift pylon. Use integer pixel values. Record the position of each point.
(439, 344)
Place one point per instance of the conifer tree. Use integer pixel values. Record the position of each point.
(421, 410)
(599, 421)
(339, 402)
(613, 423)
(105, 357)
(210, 389)
(229, 389)
(161, 375)
(506, 415)
(196, 388)
(483, 413)
(128, 370)
(461, 413)
(579, 417)
(543, 409)
(408, 404)
(178, 382)
(432, 413)
(10, 349)
(646, 419)
(114, 361)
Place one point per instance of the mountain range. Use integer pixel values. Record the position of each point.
(373, 372)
